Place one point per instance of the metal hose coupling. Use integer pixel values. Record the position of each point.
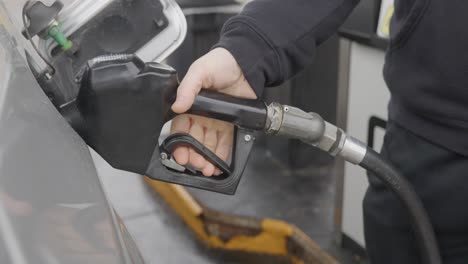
(312, 129)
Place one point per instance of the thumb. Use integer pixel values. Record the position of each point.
(189, 89)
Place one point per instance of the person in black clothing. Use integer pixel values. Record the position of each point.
(426, 71)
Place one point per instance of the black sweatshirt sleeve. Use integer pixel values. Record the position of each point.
(272, 40)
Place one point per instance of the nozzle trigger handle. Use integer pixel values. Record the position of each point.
(226, 183)
(182, 139)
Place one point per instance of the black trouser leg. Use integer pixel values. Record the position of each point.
(440, 178)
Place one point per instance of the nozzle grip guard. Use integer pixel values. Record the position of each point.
(226, 183)
(123, 105)
(171, 143)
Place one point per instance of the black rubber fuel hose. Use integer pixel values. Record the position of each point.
(422, 227)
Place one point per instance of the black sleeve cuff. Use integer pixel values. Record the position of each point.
(254, 54)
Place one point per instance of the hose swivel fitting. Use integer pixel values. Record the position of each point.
(288, 121)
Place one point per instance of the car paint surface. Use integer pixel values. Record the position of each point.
(52, 205)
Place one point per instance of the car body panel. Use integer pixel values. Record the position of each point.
(52, 205)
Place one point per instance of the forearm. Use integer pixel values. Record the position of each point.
(272, 40)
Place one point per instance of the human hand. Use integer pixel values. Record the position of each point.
(218, 71)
